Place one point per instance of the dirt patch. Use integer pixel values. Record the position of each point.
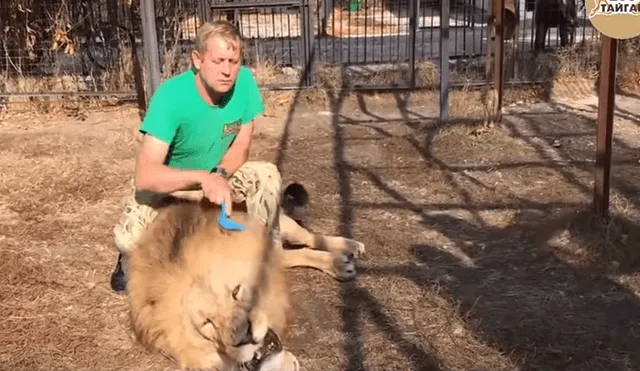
(479, 253)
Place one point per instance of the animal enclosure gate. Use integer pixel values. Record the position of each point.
(91, 47)
(277, 33)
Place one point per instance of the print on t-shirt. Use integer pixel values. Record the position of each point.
(232, 128)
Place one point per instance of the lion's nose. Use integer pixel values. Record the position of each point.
(248, 336)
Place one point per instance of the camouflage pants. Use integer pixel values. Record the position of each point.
(257, 183)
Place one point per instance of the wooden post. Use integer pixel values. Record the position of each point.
(604, 132)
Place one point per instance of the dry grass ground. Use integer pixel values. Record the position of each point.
(478, 254)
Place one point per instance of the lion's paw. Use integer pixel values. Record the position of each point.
(346, 246)
(283, 361)
(355, 247)
(289, 362)
(344, 266)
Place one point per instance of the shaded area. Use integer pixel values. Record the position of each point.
(493, 224)
(476, 257)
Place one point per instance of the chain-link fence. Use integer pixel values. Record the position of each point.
(95, 46)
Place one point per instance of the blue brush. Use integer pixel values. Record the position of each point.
(227, 223)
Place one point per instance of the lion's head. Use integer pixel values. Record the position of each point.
(209, 299)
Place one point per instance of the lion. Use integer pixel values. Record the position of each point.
(208, 298)
(213, 299)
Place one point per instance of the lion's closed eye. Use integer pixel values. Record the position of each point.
(243, 295)
(235, 292)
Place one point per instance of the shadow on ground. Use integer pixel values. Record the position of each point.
(482, 253)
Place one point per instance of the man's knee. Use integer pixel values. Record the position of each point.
(265, 171)
(133, 221)
(260, 183)
(124, 241)
(268, 168)
(256, 177)
(270, 176)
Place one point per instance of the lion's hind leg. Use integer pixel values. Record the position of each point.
(295, 234)
(339, 266)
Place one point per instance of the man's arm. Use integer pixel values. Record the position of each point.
(160, 125)
(238, 152)
(153, 175)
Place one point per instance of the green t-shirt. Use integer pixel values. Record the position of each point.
(199, 133)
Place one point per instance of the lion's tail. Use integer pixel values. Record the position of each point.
(295, 202)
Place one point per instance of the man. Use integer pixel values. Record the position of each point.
(197, 135)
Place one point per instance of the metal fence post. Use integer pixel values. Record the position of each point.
(307, 40)
(150, 43)
(203, 10)
(444, 60)
(414, 5)
(497, 10)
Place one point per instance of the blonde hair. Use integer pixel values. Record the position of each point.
(219, 28)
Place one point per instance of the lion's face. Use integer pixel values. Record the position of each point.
(240, 329)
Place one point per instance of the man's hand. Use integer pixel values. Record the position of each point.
(217, 190)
